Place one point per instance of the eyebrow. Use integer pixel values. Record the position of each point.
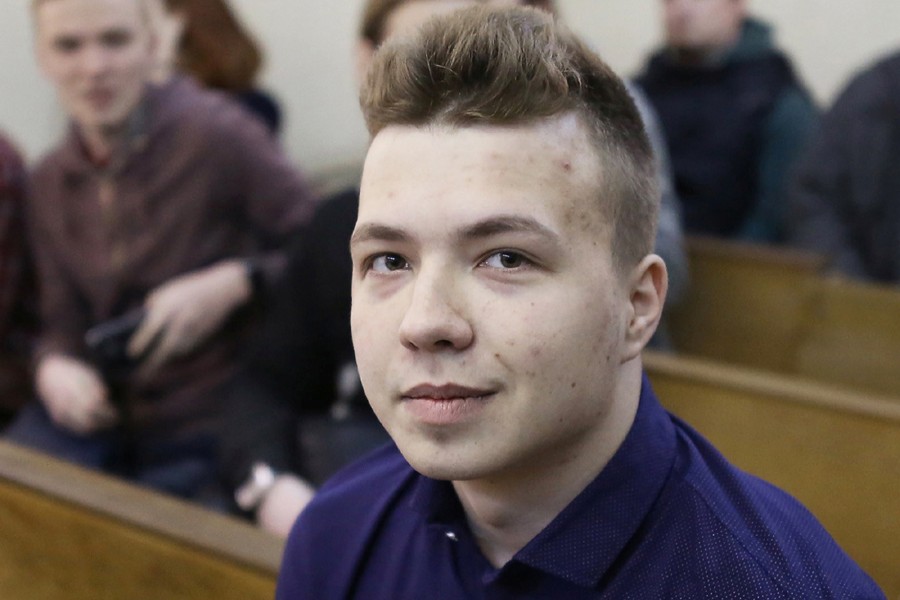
(480, 230)
(378, 232)
(507, 224)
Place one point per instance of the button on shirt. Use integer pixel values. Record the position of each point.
(668, 517)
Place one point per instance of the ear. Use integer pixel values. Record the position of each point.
(365, 50)
(647, 287)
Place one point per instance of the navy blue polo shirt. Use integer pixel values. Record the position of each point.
(668, 517)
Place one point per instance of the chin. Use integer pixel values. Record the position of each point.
(436, 460)
(443, 472)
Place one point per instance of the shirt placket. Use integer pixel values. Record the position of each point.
(112, 222)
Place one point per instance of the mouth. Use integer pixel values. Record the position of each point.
(99, 98)
(441, 405)
(445, 392)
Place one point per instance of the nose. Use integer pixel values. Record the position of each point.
(435, 319)
(95, 60)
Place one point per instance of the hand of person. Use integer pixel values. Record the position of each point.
(74, 395)
(183, 312)
(283, 502)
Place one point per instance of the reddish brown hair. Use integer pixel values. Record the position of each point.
(215, 48)
(516, 66)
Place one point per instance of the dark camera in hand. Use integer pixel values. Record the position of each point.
(108, 342)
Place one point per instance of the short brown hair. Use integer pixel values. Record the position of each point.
(515, 66)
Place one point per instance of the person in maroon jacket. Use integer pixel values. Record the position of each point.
(166, 205)
(16, 289)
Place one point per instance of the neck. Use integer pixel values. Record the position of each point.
(699, 56)
(507, 511)
(100, 143)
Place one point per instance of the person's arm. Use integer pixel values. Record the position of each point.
(273, 197)
(292, 364)
(787, 134)
(274, 201)
(186, 310)
(72, 390)
(821, 193)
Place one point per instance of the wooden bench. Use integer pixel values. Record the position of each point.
(774, 309)
(75, 534)
(835, 451)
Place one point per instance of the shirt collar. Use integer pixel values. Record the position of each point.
(586, 538)
(74, 153)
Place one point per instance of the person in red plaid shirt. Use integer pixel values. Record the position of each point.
(16, 290)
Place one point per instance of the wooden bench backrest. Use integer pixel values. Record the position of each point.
(74, 534)
(774, 309)
(838, 453)
(745, 304)
(853, 337)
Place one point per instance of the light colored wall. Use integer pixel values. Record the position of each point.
(310, 67)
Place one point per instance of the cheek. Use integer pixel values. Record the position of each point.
(570, 346)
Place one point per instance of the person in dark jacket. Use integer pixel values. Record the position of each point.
(845, 201)
(17, 300)
(735, 116)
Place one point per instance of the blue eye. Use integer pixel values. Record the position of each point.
(385, 263)
(505, 259)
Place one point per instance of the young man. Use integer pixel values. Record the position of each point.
(503, 288)
(169, 200)
(735, 116)
(309, 325)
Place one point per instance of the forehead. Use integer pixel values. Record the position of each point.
(430, 177)
(84, 17)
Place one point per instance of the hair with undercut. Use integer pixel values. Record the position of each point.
(518, 66)
(376, 13)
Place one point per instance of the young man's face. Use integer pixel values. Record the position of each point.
(702, 25)
(487, 318)
(98, 54)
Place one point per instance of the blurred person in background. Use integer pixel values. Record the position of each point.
(735, 116)
(205, 39)
(17, 299)
(845, 201)
(157, 225)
